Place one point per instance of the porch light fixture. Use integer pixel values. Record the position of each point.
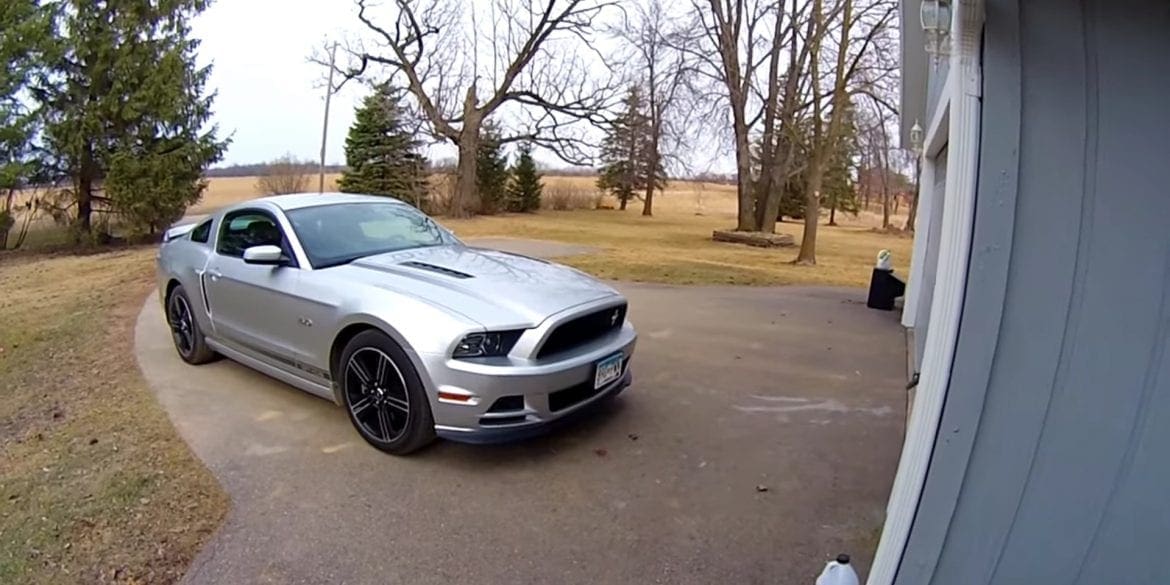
(916, 138)
(936, 23)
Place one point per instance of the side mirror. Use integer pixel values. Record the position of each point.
(265, 255)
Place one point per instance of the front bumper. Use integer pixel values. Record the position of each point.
(513, 399)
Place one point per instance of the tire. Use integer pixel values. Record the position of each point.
(185, 331)
(383, 395)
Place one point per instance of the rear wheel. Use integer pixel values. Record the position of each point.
(185, 331)
(383, 394)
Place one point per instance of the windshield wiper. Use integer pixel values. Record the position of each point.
(340, 261)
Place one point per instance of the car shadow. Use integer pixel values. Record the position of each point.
(565, 439)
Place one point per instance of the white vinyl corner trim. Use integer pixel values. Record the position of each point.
(927, 199)
(950, 286)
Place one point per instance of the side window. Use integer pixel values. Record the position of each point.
(201, 232)
(243, 229)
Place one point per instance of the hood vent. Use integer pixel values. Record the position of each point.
(436, 269)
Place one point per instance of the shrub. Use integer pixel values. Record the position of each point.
(284, 175)
(567, 198)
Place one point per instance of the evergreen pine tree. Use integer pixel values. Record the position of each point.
(491, 170)
(623, 152)
(524, 185)
(838, 190)
(382, 154)
(26, 28)
(127, 109)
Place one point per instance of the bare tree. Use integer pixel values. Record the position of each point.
(284, 175)
(733, 30)
(782, 136)
(652, 35)
(529, 62)
(830, 108)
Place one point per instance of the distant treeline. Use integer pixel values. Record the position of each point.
(447, 165)
(257, 169)
(443, 165)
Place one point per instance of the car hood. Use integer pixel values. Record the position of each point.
(494, 288)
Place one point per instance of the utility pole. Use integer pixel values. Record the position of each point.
(325, 123)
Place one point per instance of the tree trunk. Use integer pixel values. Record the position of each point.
(84, 194)
(648, 202)
(812, 212)
(778, 184)
(622, 203)
(10, 219)
(885, 196)
(84, 203)
(833, 212)
(913, 215)
(743, 163)
(762, 192)
(466, 189)
(865, 195)
(885, 159)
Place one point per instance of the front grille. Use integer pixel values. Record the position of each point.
(583, 329)
(574, 395)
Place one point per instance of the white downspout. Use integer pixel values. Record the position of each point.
(950, 287)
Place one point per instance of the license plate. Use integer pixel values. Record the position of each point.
(608, 370)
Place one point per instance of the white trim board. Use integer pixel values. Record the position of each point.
(962, 97)
(937, 132)
(928, 197)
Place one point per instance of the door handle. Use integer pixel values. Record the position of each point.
(214, 275)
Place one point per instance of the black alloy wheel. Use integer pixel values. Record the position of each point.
(383, 394)
(185, 331)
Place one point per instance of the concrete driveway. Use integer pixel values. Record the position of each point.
(795, 390)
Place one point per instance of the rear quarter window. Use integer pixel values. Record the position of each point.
(202, 232)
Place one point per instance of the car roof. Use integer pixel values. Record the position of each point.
(301, 200)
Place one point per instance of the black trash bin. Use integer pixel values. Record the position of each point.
(884, 287)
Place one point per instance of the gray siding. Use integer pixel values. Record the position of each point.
(1052, 463)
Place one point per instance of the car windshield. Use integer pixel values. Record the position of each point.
(340, 233)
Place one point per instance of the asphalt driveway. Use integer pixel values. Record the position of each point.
(794, 391)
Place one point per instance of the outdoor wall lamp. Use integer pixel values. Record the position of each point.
(916, 138)
(936, 23)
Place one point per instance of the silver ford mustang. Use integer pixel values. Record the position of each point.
(368, 302)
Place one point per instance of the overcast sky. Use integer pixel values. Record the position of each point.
(268, 101)
(271, 100)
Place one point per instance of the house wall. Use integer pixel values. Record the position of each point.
(1051, 463)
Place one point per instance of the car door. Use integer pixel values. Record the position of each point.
(254, 307)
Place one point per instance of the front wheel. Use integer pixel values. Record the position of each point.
(383, 394)
(185, 330)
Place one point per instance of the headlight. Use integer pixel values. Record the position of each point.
(486, 344)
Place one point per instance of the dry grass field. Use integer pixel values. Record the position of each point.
(95, 486)
(673, 246)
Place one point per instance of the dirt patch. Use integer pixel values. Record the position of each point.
(96, 486)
